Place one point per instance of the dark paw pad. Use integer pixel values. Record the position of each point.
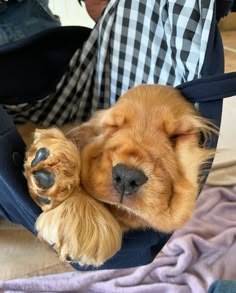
(41, 155)
(44, 178)
(44, 200)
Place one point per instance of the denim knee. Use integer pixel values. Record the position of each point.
(20, 19)
(15, 202)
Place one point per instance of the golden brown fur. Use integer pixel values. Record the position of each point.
(152, 129)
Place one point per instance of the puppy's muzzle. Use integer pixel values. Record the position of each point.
(127, 180)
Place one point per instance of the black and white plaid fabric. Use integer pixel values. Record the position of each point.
(134, 42)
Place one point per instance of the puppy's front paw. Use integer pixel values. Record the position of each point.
(81, 230)
(52, 168)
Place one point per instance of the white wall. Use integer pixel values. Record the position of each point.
(71, 13)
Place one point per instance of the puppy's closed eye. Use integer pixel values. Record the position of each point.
(182, 130)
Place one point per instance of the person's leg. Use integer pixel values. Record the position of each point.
(30, 69)
(15, 203)
(21, 19)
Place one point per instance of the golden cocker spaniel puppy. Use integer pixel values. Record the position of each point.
(133, 166)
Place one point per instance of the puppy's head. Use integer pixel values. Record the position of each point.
(143, 157)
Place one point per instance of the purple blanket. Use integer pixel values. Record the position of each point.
(201, 252)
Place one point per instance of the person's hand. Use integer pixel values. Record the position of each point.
(95, 7)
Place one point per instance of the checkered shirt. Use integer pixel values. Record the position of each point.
(134, 42)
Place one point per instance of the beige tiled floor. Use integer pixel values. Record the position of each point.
(22, 255)
(229, 38)
(229, 41)
(224, 166)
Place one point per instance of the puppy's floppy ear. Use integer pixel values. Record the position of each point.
(113, 119)
(87, 131)
(100, 124)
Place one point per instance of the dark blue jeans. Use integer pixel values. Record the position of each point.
(21, 19)
(18, 209)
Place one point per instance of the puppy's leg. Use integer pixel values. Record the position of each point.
(79, 228)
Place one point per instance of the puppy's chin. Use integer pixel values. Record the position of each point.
(145, 160)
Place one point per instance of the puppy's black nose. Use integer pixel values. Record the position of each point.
(127, 180)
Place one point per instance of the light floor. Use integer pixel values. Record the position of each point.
(226, 150)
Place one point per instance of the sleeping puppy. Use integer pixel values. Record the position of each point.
(133, 166)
